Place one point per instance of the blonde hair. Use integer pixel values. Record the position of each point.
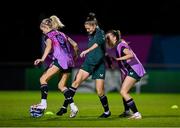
(56, 23)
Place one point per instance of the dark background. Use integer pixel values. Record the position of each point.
(20, 34)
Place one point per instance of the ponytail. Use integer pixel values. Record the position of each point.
(56, 23)
(91, 19)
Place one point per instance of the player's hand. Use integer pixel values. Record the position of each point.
(83, 54)
(38, 61)
(114, 58)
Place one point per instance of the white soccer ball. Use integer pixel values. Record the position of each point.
(36, 112)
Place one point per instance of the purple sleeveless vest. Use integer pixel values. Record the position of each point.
(61, 49)
(133, 62)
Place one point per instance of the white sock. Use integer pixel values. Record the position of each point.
(106, 112)
(137, 114)
(72, 105)
(44, 102)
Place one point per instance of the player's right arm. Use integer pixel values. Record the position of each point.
(83, 53)
(128, 55)
(46, 52)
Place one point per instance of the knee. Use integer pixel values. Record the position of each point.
(100, 93)
(76, 84)
(43, 80)
(123, 93)
(61, 87)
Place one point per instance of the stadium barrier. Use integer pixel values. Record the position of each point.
(154, 81)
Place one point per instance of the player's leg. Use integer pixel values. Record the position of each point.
(126, 86)
(80, 77)
(103, 98)
(44, 86)
(62, 85)
(126, 112)
(99, 76)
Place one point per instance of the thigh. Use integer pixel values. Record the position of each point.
(50, 72)
(128, 83)
(80, 77)
(99, 72)
(63, 81)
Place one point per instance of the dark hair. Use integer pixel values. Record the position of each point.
(116, 33)
(91, 19)
(47, 22)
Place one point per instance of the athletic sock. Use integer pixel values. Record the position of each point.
(104, 103)
(126, 108)
(44, 91)
(72, 91)
(68, 96)
(65, 104)
(132, 105)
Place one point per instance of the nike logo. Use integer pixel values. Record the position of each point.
(101, 75)
(131, 73)
(69, 98)
(45, 92)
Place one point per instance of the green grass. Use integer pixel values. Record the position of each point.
(155, 108)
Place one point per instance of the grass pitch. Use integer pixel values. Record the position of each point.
(155, 108)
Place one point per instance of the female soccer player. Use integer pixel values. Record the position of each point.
(131, 71)
(58, 57)
(94, 62)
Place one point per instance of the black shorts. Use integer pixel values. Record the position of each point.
(69, 70)
(133, 74)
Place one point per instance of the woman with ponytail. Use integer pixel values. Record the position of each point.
(94, 62)
(131, 71)
(57, 57)
(58, 25)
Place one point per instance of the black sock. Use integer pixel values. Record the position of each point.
(132, 105)
(68, 96)
(65, 104)
(72, 91)
(126, 108)
(104, 103)
(44, 91)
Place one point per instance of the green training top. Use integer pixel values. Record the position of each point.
(97, 55)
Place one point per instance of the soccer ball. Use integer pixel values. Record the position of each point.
(35, 111)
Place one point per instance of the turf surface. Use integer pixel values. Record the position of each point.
(155, 108)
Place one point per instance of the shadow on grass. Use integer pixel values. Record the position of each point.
(65, 118)
(161, 116)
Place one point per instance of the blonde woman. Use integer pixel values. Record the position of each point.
(58, 58)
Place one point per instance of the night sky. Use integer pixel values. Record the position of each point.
(20, 22)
